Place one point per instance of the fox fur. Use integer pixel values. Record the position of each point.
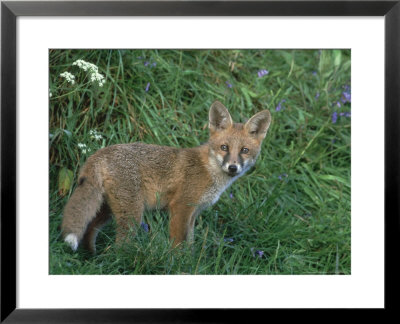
(125, 179)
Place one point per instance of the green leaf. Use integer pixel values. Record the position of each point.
(337, 54)
(65, 178)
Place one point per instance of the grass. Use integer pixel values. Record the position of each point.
(289, 215)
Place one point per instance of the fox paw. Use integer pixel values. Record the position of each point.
(72, 240)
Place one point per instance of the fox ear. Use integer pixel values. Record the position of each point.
(219, 117)
(258, 124)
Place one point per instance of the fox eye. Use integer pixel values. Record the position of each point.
(245, 150)
(224, 147)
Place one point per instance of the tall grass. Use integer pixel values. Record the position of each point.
(290, 215)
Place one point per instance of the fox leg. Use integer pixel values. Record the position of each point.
(128, 212)
(103, 216)
(182, 222)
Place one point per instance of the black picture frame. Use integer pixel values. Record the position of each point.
(10, 10)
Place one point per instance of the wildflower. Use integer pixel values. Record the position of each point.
(146, 63)
(228, 84)
(346, 97)
(68, 76)
(83, 148)
(317, 96)
(94, 135)
(258, 253)
(338, 104)
(334, 117)
(228, 239)
(95, 76)
(145, 227)
(147, 87)
(231, 195)
(280, 177)
(86, 66)
(314, 73)
(279, 107)
(154, 64)
(261, 73)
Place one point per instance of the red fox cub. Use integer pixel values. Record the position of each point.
(126, 179)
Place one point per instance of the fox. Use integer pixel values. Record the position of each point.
(124, 180)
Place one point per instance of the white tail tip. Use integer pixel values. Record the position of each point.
(72, 240)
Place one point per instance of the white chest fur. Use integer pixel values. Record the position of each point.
(221, 181)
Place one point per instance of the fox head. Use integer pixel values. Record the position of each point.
(234, 146)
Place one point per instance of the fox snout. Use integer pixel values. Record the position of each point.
(232, 168)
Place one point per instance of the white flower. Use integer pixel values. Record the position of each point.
(94, 135)
(68, 76)
(95, 76)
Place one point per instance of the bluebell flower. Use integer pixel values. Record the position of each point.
(146, 63)
(147, 87)
(317, 96)
(261, 73)
(231, 195)
(228, 84)
(228, 239)
(284, 175)
(145, 227)
(279, 107)
(258, 253)
(334, 117)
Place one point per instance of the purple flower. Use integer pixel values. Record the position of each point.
(228, 239)
(346, 97)
(261, 73)
(338, 104)
(146, 63)
(145, 227)
(284, 175)
(346, 94)
(231, 195)
(317, 96)
(347, 114)
(258, 253)
(314, 73)
(147, 87)
(279, 107)
(334, 117)
(154, 64)
(228, 84)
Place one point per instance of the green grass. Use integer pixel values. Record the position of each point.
(294, 206)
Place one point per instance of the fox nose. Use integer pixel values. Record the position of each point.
(232, 168)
